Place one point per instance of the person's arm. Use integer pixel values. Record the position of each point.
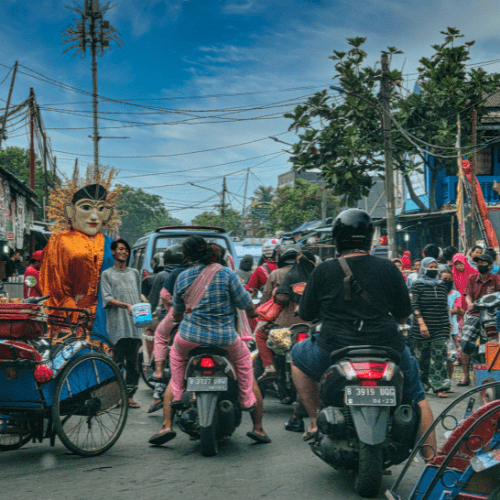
(267, 292)
(240, 297)
(154, 294)
(254, 281)
(107, 297)
(309, 306)
(417, 315)
(469, 298)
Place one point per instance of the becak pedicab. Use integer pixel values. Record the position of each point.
(56, 373)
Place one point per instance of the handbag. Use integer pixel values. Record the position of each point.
(269, 311)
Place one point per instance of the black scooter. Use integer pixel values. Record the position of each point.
(210, 409)
(362, 425)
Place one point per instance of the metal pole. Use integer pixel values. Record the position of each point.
(222, 208)
(4, 123)
(245, 195)
(385, 95)
(93, 51)
(473, 165)
(323, 205)
(32, 139)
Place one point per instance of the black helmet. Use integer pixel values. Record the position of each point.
(288, 257)
(173, 255)
(352, 229)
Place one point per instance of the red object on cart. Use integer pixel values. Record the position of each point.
(22, 321)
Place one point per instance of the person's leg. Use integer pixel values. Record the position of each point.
(422, 354)
(162, 339)
(308, 392)
(265, 353)
(166, 433)
(426, 420)
(132, 368)
(257, 414)
(465, 369)
(438, 374)
(179, 357)
(241, 358)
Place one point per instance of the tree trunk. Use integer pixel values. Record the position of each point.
(413, 195)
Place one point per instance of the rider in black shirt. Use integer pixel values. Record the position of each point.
(359, 321)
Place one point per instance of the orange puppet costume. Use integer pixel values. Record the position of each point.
(71, 268)
(78, 252)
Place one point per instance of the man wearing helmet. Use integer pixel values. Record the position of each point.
(349, 319)
(261, 274)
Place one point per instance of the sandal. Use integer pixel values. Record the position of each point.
(464, 383)
(309, 435)
(441, 395)
(133, 404)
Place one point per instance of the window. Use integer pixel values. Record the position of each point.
(137, 258)
(163, 242)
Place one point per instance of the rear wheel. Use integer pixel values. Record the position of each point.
(13, 435)
(491, 394)
(89, 409)
(208, 438)
(371, 468)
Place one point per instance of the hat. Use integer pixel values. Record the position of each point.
(486, 257)
(37, 255)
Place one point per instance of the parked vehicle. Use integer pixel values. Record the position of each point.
(282, 386)
(362, 425)
(210, 409)
(71, 388)
(145, 248)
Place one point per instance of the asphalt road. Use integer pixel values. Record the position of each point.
(133, 469)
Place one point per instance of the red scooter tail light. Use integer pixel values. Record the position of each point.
(301, 336)
(207, 363)
(43, 374)
(369, 370)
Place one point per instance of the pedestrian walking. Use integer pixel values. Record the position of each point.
(120, 287)
(431, 327)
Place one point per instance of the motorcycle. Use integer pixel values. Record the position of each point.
(281, 342)
(362, 424)
(210, 409)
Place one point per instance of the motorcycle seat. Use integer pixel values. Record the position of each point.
(207, 349)
(365, 351)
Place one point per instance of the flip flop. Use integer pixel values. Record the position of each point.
(258, 438)
(155, 407)
(309, 435)
(133, 404)
(463, 383)
(441, 395)
(450, 390)
(162, 438)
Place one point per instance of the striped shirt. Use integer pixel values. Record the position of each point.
(432, 303)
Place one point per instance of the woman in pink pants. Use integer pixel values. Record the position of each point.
(207, 310)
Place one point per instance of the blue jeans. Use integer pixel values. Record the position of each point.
(311, 359)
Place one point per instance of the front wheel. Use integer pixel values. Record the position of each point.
(89, 408)
(491, 394)
(369, 477)
(208, 439)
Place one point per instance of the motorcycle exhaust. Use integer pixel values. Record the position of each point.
(226, 406)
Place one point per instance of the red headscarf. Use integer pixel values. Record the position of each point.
(460, 278)
(406, 261)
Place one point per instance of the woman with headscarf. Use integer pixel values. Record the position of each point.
(245, 270)
(461, 272)
(431, 327)
(399, 265)
(406, 261)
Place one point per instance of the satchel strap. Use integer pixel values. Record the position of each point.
(350, 281)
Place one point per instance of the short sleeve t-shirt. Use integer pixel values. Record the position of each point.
(356, 322)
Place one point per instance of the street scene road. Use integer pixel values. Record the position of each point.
(133, 469)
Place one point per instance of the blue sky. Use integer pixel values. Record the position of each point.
(192, 59)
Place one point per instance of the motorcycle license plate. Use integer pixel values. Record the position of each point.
(370, 396)
(198, 384)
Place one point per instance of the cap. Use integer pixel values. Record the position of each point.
(484, 257)
(37, 255)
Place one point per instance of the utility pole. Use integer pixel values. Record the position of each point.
(4, 123)
(97, 32)
(385, 95)
(32, 139)
(245, 203)
(223, 206)
(473, 166)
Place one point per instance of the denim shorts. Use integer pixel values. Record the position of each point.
(311, 359)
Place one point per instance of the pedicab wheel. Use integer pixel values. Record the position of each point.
(371, 468)
(10, 441)
(146, 371)
(491, 394)
(89, 408)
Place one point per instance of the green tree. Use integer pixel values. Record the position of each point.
(144, 212)
(263, 193)
(233, 221)
(296, 204)
(17, 162)
(340, 130)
